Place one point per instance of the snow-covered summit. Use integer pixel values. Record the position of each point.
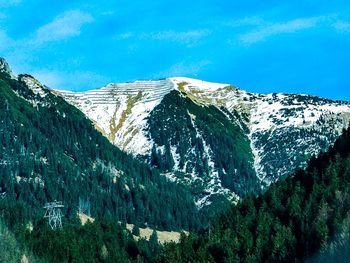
(120, 110)
(195, 84)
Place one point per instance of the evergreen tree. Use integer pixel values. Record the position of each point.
(136, 229)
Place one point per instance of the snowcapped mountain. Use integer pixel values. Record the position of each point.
(220, 140)
(120, 111)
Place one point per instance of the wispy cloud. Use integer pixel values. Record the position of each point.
(272, 29)
(243, 22)
(8, 3)
(126, 35)
(177, 36)
(64, 26)
(183, 69)
(186, 37)
(342, 26)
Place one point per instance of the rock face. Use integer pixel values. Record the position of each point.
(220, 140)
(4, 67)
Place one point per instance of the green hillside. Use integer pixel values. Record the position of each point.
(305, 217)
(50, 151)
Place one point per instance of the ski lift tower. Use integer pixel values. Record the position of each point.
(54, 214)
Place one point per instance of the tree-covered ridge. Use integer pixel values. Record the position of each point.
(206, 141)
(50, 151)
(305, 214)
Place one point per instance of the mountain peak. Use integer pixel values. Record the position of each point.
(196, 84)
(33, 84)
(4, 67)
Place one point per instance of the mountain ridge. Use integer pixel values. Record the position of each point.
(182, 126)
(122, 111)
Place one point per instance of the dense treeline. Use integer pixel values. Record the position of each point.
(101, 241)
(11, 250)
(305, 214)
(50, 151)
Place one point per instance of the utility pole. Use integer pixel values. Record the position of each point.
(54, 214)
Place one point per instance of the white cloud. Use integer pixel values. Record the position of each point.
(186, 37)
(64, 26)
(342, 26)
(8, 3)
(183, 69)
(272, 29)
(127, 35)
(242, 22)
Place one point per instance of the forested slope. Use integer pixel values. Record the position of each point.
(50, 151)
(305, 217)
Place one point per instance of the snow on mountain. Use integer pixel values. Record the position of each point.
(272, 118)
(284, 130)
(5, 68)
(197, 84)
(34, 85)
(120, 110)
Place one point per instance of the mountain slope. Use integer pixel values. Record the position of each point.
(219, 139)
(306, 216)
(50, 151)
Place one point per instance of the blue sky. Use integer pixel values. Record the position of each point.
(260, 46)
